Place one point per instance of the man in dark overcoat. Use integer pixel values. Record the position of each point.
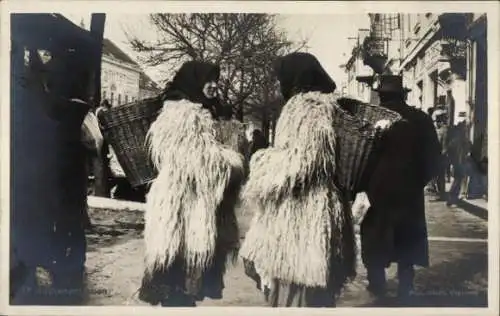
(49, 102)
(394, 228)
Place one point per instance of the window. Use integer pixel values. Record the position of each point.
(417, 18)
(391, 22)
(112, 98)
(119, 99)
(126, 99)
(103, 95)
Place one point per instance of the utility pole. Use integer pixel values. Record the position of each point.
(97, 23)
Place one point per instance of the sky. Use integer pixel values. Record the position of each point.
(328, 35)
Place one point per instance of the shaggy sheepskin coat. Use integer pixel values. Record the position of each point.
(190, 225)
(300, 245)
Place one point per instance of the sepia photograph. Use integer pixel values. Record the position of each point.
(249, 159)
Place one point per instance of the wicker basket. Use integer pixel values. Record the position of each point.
(357, 140)
(126, 127)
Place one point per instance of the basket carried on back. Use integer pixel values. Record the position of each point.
(126, 127)
(357, 140)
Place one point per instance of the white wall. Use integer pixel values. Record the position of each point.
(119, 80)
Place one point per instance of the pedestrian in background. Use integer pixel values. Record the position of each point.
(394, 228)
(259, 141)
(100, 165)
(441, 123)
(432, 185)
(459, 151)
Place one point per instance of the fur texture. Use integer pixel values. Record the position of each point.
(195, 173)
(299, 213)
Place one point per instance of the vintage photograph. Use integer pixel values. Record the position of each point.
(249, 159)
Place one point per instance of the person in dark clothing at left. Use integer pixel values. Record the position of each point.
(394, 228)
(49, 102)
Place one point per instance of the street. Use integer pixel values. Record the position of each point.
(457, 276)
(117, 100)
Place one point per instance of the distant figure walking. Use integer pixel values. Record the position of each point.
(259, 141)
(441, 121)
(458, 150)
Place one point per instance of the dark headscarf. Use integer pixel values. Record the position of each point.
(189, 81)
(301, 73)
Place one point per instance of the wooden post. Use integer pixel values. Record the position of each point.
(100, 165)
(97, 30)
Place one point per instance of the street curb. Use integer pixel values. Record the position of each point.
(121, 205)
(114, 205)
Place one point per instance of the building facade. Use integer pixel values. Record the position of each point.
(477, 76)
(119, 75)
(355, 67)
(122, 79)
(147, 87)
(443, 60)
(433, 61)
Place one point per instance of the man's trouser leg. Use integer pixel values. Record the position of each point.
(440, 183)
(441, 179)
(458, 176)
(406, 275)
(376, 280)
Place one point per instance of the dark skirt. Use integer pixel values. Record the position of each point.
(179, 286)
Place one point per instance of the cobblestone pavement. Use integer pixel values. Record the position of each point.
(457, 276)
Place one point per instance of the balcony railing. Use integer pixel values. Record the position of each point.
(374, 53)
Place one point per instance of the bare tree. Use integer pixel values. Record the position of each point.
(243, 44)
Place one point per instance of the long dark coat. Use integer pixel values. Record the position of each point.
(48, 174)
(49, 186)
(394, 228)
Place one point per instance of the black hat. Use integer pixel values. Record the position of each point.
(389, 83)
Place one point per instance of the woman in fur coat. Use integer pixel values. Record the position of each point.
(300, 246)
(190, 225)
